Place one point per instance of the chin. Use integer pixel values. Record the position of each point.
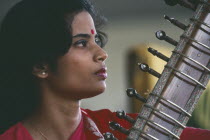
(95, 92)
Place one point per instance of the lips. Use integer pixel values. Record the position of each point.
(102, 73)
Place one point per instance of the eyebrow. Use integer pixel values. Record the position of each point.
(81, 35)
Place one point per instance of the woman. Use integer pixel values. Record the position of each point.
(52, 57)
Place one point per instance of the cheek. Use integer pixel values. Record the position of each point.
(69, 64)
(73, 72)
(75, 78)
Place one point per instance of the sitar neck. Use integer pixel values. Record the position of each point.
(185, 76)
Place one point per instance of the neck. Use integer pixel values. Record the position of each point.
(56, 118)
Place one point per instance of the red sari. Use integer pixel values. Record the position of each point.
(94, 124)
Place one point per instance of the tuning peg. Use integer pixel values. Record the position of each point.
(133, 93)
(109, 136)
(175, 22)
(192, 4)
(161, 35)
(122, 115)
(116, 126)
(158, 54)
(145, 68)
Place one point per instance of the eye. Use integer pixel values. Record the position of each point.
(81, 43)
(98, 41)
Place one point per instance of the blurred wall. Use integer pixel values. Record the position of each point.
(130, 22)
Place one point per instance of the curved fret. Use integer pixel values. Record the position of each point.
(205, 46)
(167, 116)
(173, 104)
(148, 135)
(196, 62)
(197, 82)
(198, 21)
(159, 126)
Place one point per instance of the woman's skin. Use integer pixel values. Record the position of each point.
(76, 77)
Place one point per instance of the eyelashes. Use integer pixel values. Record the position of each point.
(98, 41)
(84, 42)
(81, 43)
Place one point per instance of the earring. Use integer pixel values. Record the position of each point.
(43, 73)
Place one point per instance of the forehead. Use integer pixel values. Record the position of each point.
(82, 23)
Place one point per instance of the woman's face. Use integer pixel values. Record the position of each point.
(81, 72)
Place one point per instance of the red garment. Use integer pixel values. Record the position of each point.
(190, 133)
(96, 123)
(79, 133)
(102, 118)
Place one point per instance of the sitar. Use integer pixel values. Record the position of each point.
(169, 106)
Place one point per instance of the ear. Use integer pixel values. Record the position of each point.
(40, 70)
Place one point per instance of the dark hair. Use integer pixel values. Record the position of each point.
(34, 32)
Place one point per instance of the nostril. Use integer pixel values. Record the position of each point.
(102, 56)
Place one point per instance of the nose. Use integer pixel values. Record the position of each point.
(101, 55)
